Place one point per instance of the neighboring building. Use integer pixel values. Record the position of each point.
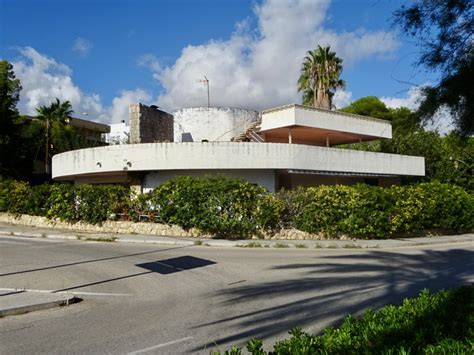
(93, 132)
(119, 133)
(285, 146)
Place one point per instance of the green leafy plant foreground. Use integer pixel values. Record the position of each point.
(374, 212)
(233, 208)
(441, 323)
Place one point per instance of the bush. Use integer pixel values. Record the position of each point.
(14, 196)
(238, 209)
(87, 203)
(431, 206)
(219, 205)
(359, 210)
(294, 203)
(97, 203)
(442, 323)
(139, 208)
(374, 212)
(37, 201)
(62, 202)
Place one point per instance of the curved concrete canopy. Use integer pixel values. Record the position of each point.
(119, 159)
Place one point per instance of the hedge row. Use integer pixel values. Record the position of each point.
(237, 209)
(376, 212)
(217, 205)
(88, 203)
(442, 323)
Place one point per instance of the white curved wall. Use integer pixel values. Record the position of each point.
(265, 178)
(230, 155)
(212, 123)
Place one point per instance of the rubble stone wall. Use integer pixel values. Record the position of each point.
(148, 124)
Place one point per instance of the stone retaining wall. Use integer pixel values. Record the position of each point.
(125, 227)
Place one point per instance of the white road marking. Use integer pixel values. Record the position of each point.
(162, 345)
(67, 292)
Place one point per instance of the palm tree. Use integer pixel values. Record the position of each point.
(319, 77)
(58, 134)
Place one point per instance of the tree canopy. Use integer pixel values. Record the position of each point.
(444, 33)
(368, 106)
(23, 138)
(10, 88)
(403, 119)
(319, 77)
(448, 159)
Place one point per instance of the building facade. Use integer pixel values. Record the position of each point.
(285, 146)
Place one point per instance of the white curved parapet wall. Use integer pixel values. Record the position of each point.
(211, 123)
(229, 155)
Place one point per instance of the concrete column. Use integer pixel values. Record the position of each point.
(290, 138)
(136, 185)
(327, 140)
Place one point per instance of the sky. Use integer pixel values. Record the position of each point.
(105, 54)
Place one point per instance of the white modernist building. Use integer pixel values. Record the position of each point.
(284, 146)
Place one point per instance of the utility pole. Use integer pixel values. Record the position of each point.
(206, 81)
(46, 155)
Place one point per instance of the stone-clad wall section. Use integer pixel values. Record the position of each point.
(124, 227)
(148, 124)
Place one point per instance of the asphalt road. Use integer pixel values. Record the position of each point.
(144, 299)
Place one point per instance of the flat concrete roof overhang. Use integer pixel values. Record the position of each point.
(311, 125)
(90, 125)
(120, 159)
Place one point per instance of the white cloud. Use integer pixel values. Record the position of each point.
(44, 79)
(258, 68)
(342, 98)
(119, 109)
(410, 100)
(442, 121)
(255, 68)
(82, 46)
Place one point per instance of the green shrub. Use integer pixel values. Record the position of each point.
(238, 209)
(87, 203)
(62, 202)
(97, 203)
(37, 202)
(442, 323)
(294, 203)
(14, 196)
(139, 208)
(431, 206)
(374, 212)
(219, 205)
(328, 207)
(359, 210)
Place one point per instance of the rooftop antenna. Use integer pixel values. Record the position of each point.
(206, 81)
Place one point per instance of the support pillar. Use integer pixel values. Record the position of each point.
(135, 180)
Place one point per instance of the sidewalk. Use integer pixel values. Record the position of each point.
(15, 302)
(32, 232)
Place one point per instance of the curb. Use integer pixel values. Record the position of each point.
(17, 310)
(253, 243)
